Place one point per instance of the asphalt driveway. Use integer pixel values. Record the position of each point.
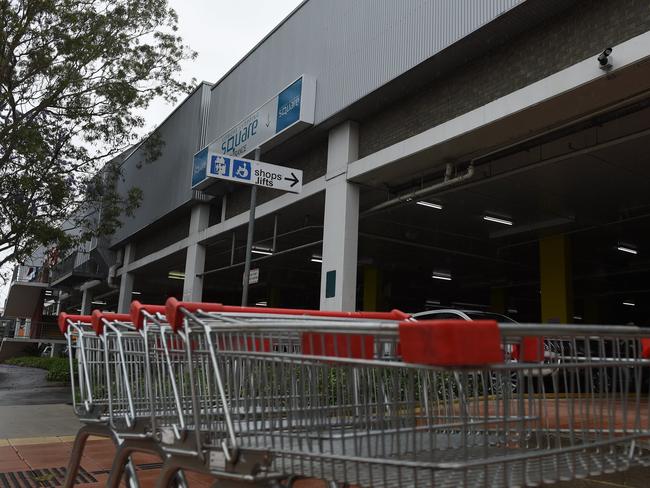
(28, 386)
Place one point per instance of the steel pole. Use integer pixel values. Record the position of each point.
(249, 238)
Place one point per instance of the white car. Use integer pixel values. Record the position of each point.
(469, 315)
(452, 313)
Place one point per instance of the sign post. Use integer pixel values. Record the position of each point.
(287, 113)
(255, 173)
(249, 240)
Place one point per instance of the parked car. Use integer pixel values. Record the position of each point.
(550, 353)
(452, 313)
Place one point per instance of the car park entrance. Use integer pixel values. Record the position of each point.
(553, 229)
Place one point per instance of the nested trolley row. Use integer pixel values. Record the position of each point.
(264, 396)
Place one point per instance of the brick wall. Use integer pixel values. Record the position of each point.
(578, 33)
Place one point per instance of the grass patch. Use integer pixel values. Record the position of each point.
(57, 368)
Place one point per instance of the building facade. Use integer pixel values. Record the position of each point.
(458, 155)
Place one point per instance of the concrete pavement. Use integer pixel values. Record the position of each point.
(37, 421)
(30, 406)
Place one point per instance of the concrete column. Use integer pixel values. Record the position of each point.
(555, 280)
(341, 226)
(195, 257)
(86, 302)
(275, 298)
(126, 281)
(58, 303)
(57, 350)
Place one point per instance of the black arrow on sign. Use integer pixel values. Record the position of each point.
(294, 179)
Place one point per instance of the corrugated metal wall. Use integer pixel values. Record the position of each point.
(166, 182)
(351, 47)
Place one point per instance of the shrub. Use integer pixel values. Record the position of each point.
(57, 368)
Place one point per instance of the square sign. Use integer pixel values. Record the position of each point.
(199, 167)
(289, 106)
(287, 113)
(253, 276)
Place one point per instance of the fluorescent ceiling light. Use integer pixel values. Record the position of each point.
(513, 310)
(629, 304)
(437, 206)
(261, 304)
(535, 226)
(577, 317)
(316, 259)
(497, 220)
(176, 275)
(438, 275)
(627, 249)
(136, 293)
(98, 303)
(262, 250)
(468, 304)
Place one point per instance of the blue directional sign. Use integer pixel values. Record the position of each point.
(288, 112)
(219, 165)
(253, 172)
(241, 169)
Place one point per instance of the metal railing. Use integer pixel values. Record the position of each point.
(78, 261)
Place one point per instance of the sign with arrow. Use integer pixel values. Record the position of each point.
(290, 111)
(253, 172)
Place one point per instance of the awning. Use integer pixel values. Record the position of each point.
(24, 299)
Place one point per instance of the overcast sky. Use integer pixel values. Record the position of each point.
(221, 32)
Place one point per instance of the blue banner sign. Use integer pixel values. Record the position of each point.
(289, 106)
(286, 113)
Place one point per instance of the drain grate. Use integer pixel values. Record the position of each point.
(146, 466)
(37, 478)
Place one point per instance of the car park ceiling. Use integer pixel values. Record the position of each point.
(599, 197)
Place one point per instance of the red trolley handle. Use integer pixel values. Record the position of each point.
(137, 316)
(175, 318)
(98, 317)
(63, 319)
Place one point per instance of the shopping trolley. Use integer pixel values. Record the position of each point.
(91, 387)
(153, 373)
(210, 391)
(397, 403)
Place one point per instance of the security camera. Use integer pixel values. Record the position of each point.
(605, 59)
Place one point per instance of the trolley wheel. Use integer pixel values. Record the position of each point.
(501, 383)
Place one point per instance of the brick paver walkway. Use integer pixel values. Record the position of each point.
(37, 462)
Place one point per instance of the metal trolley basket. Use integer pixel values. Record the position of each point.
(113, 389)
(389, 403)
(187, 427)
(91, 388)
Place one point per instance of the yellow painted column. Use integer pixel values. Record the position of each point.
(371, 289)
(555, 280)
(274, 297)
(498, 300)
